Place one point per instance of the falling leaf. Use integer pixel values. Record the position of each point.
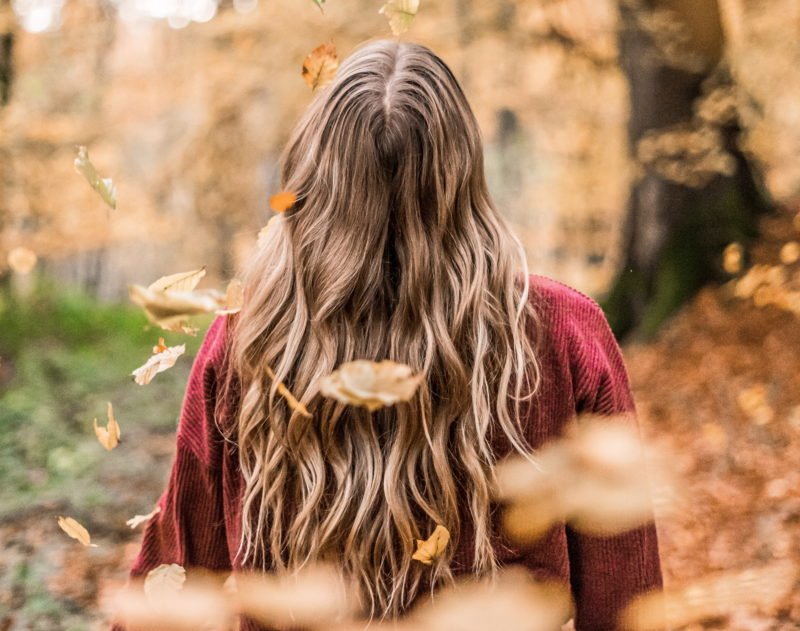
(76, 531)
(22, 260)
(165, 579)
(281, 202)
(137, 520)
(401, 14)
(160, 347)
(262, 234)
(313, 596)
(369, 384)
(158, 363)
(790, 253)
(182, 281)
(232, 302)
(319, 3)
(291, 400)
(319, 66)
(433, 546)
(108, 435)
(732, 258)
(710, 597)
(104, 187)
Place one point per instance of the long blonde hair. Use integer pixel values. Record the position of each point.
(393, 250)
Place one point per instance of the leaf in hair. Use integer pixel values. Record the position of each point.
(283, 201)
(104, 186)
(369, 384)
(433, 546)
(319, 66)
(290, 399)
(401, 14)
(108, 436)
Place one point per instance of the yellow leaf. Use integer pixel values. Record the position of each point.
(165, 579)
(104, 187)
(319, 66)
(400, 13)
(137, 520)
(283, 201)
(76, 531)
(22, 260)
(182, 281)
(291, 400)
(369, 384)
(170, 309)
(108, 435)
(158, 363)
(433, 546)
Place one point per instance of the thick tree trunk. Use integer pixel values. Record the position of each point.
(674, 233)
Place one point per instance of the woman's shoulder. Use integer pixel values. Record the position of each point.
(563, 309)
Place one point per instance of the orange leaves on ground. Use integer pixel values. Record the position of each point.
(104, 186)
(290, 399)
(137, 520)
(401, 14)
(22, 260)
(108, 436)
(76, 531)
(283, 201)
(433, 546)
(596, 480)
(369, 384)
(319, 66)
(157, 363)
(171, 300)
(711, 597)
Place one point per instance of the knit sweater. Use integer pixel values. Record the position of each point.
(582, 372)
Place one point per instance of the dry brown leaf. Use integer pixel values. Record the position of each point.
(138, 520)
(104, 186)
(108, 436)
(158, 363)
(234, 296)
(711, 597)
(283, 201)
(193, 608)
(182, 281)
(432, 548)
(369, 384)
(314, 596)
(76, 531)
(160, 347)
(401, 14)
(319, 67)
(165, 579)
(290, 399)
(22, 260)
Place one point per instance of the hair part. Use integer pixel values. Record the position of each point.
(393, 250)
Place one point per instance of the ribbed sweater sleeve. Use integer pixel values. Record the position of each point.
(605, 572)
(189, 529)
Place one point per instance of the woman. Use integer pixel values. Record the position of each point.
(394, 250)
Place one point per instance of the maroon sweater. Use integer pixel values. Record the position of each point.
(583, 371)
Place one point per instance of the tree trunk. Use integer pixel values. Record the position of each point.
(674, 233)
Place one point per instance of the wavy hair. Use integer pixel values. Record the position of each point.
(393, 250)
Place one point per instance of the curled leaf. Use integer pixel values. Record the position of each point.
(137, 520)
(433, 546)
(401, 14)
(160, 347)
(165, 579)
(291, 400)
(182, 281)
(108, 436)
(283, 201)
(22, 260)
(158, 363)
(104, 186)
(319, 66)
(76, 531)
(369, 384)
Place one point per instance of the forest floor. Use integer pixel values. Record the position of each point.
(695, 385)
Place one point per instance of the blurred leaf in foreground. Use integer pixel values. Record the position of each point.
(319, 66)
(165, 579)
(104, 186)
(22, 260)
(283, 201)
(369, 384)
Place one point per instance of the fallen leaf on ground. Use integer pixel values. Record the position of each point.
(369, 384)
(76, 531)
(319, 66)
(138, 520)
(433, 546)
(158, 363)
(104, 186)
